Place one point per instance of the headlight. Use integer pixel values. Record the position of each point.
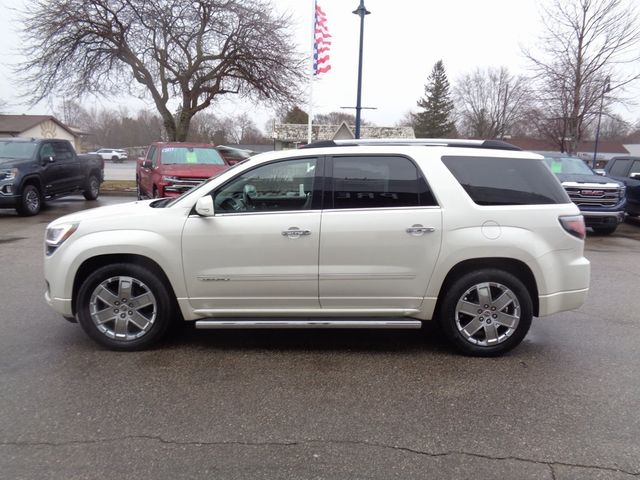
(8, 173)
(169, 179)
(55, 236)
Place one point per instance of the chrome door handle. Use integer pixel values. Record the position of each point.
(295, 232)
(418, 230)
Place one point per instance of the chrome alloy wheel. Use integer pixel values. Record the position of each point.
(32, 200)
(487, 314)
(123, 308)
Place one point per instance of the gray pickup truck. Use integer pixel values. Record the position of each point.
(34, 170)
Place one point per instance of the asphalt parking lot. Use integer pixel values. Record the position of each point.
(319, 404)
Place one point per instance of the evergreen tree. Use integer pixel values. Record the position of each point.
(296, 116)
(435, 119)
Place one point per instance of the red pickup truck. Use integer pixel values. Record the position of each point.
(170, 169)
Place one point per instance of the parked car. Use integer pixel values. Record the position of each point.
(170, 169)
(114, 154)
(233, 155)
(601, 199)
(627, 170)
(359, 234)
(35, 170)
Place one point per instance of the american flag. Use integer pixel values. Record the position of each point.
(321, 42)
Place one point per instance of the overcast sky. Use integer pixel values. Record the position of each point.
(403, 39)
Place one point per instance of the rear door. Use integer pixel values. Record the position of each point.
(381, 234)
(69, 164)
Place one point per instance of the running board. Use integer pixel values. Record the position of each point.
(249, 324)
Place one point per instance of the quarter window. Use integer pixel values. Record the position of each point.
(635, 168)
(506, 181)
(378, 182)
(281, 186)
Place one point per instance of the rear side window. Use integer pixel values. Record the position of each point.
(506, 181)
(378, 182)
(620, 167)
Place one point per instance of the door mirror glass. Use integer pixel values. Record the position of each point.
(204, 206)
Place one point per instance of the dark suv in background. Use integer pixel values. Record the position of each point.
(601, 200)
(627, 170)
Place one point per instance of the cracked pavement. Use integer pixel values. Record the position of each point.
(319, 405)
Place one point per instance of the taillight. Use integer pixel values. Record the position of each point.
(574, 224)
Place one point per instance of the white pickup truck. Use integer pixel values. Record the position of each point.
(114, 154)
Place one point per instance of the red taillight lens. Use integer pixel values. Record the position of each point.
(574, 224)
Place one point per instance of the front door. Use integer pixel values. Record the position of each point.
(381, 234)
(260, 250)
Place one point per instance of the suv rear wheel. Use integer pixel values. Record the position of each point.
(124, 307)
(486, 313)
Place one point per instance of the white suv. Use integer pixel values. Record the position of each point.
(354, 234)
(114, 154)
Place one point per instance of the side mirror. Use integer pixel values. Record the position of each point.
(146, 164)
(600, 171)
(48, 159)
(204, 206)
(635, 175)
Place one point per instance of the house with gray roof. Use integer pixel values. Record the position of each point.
(38, 126)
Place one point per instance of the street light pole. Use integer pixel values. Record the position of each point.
(361, 11)
(605, 88)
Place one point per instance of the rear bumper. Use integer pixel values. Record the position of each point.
(561, 301)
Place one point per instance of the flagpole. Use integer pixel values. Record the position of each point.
(311, 70)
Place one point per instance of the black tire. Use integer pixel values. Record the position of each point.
(480, 291)
(93, 188)
(605, 230)
(135, 327)
(139, 190)
(115, 159)
(30, 202)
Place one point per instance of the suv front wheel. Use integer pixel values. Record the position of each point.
(486, 312)
(124, 307)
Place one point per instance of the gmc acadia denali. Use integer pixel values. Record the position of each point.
(476, 235)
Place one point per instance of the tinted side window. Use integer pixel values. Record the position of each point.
(153, 156)
(62, 151)
(375, 182)
(506, 181)
(619, 167)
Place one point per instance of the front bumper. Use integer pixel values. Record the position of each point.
(602, 219)
(60, 305)
(8, 197)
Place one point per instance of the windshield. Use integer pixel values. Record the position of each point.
(188, 155)
(568, 165)
(21, 150)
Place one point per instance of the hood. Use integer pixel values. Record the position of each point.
(140, 207)
(584, 178)
(195, 170)
(13, 162)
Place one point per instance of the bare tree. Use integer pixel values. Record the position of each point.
(490, 103)
(185, 52)
(584, 44)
